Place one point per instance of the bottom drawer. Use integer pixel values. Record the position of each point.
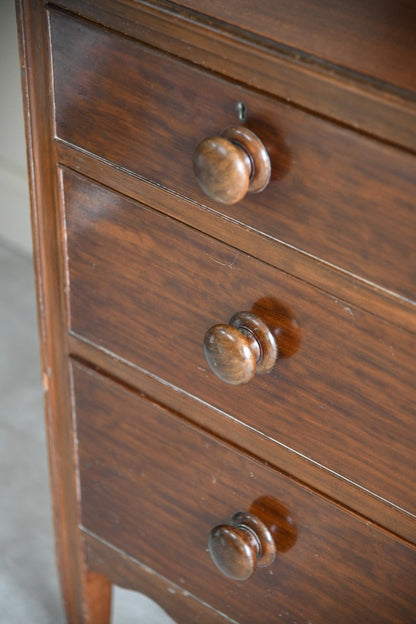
(154, 486)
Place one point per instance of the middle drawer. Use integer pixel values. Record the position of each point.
(147, 288)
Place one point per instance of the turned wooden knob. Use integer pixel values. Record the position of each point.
(239, 547)
(229, 165)
(237, 351)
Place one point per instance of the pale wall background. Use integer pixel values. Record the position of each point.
(14, 196)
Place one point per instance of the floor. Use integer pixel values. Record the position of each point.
(29, 591)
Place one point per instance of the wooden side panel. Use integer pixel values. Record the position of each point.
(147, 288)
(334, 194)
(86, 594)
(154, 486)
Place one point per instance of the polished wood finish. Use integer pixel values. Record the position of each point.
(322, 88)
(134, 263)
(231, 355)
(154, 485)
(240, 350)
(222, 170)
(260, 166)
(255, 442)
(237, 548)
(319, 190)
(228, 166)
(321, 405)
(334, 31)
(348, 287)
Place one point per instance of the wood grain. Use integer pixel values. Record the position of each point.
(344, 397)
(385, 304)
(133, 291)
(275, 454)
(353, 35)
(154, 486)
(334, 194)
(327, 90)
(127, 572)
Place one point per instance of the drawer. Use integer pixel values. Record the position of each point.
(154, 486)
(334, 194)
(147, 288)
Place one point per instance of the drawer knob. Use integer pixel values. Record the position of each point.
(239, 547)
(237, 351)
(229, 165)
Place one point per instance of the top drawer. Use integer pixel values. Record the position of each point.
(334, 194)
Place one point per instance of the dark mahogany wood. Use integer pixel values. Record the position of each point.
(346, 395)
(334, 194)
(325, 89)
(256, 443)
(154, 485)
(127, 572)
(151, 453)
(353, 35)
(345, 286)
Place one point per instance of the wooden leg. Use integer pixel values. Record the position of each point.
(97, 598)
(86, 594)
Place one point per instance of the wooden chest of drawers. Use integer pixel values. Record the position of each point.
(255, 467)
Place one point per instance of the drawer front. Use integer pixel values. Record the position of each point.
(333, 193)
(147, 288)
(154, 486)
